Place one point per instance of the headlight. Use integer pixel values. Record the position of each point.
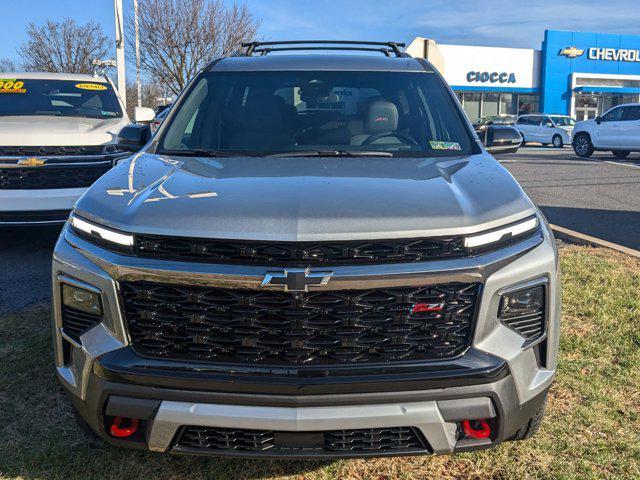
(81, 299)
(502, 234)
(523, 311)
(101, 234)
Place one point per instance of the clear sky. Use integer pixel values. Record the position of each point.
(514, 23)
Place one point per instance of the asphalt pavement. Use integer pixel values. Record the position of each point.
(599, 196)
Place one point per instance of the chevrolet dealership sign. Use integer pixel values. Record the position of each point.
(606, 54)
(614, 54)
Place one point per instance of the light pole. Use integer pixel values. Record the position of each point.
(122, 85)
(137, 33)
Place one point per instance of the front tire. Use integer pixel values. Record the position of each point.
(530, 428)
(621, 154)
(582, 146)
(557, 141)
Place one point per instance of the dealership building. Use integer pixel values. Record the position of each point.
(574, 73)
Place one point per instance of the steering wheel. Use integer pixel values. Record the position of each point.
(400, 136)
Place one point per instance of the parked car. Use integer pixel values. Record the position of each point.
(58, 134)
(158, 120)
(314, 257)
(494, 120)
(617, 130)
(546, 129)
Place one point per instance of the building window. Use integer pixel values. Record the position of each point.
(528, 104)
(490, 104)
(472, 104)
(508, 105)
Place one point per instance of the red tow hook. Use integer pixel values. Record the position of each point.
(123, 427)
(476, 428)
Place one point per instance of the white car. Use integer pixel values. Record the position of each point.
(617, 130)
(58, 134)
(546, 129)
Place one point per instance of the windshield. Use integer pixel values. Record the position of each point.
(564, 121)
(260, 113)
(64, 98)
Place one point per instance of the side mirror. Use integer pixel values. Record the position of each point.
(502, 139)
(143, 115)
(598, 120)
(549, 125)
(133, 137)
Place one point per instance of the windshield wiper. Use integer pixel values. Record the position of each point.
(199, 153)
(332, 153)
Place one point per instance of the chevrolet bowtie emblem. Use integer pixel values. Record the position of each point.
(32, 162)
(296, 279)
(571, 52)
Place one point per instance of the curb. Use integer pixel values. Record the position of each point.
(583, 239)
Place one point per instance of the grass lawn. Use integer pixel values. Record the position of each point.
(592, 427)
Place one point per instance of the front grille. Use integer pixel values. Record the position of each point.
(35, 216)
(52, 151)
(51, 177)
(313, 328)
(75, 322)
(368, 440)
(298, 253)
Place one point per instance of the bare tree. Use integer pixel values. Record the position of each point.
(8, 65)
(63, 46)
(151, 92)
(179, 37)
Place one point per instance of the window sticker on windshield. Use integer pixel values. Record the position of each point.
(90, 86)
(444, 145)
(12, 85)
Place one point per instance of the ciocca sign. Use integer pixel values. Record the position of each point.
(491, 77)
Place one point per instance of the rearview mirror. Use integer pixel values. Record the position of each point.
(133, 137)
(143, 115)
(502, 139)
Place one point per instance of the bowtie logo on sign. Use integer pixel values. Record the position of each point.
(571, 52)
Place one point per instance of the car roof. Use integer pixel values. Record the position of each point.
(274, 62)
(54, 76)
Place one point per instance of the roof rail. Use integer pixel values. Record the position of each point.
(264, 48)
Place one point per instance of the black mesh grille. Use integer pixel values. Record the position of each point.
(52, 151)
(369, 440)
(50, 177)
(297, 253)
(373, 439)
(35, 216)
(530, 326)
(315, 328)
(75, 322)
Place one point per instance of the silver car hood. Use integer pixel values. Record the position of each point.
(311, 198)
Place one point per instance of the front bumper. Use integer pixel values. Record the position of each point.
(38, 206)
(497, 378)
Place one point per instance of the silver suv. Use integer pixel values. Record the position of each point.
(314, 256)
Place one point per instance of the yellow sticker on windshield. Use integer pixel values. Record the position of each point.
(90, 86)
(12, 85)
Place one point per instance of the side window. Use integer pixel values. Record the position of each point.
(631, 113)
(614, 115)
(523, 121)
(546, 121)
(536, 121)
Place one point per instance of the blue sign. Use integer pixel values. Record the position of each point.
(565, 53)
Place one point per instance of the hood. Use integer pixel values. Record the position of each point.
(298, 199)
(25, 131)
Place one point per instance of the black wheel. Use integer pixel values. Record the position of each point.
(621, 153)
(557, 141)
(530, 428)
(582, 145)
